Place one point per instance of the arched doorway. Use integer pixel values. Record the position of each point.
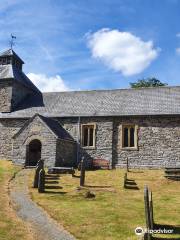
(33, 152)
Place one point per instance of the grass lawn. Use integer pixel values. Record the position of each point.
(115, 212)
(11, 227)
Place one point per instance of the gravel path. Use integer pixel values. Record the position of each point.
(42, 226)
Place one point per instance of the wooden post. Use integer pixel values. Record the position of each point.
(125, 178)
(39, 166)
(151, 210)
(41, 182)
(82, 177)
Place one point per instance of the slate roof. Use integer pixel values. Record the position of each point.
(53, 125)
(121, 102)
(12, 72)
(10, 52)
(57, 129)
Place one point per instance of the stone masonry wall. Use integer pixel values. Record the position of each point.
(103, 139)
(158, 142)
(8, 127)
(66, 153)
(35, 130)
(5, 96)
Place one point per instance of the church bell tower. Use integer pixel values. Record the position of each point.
(14, 84)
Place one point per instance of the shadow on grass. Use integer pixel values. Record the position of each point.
(52, 175)
(131, 184)
(51, 182)
(91, 186)
(75, 176)
(51, 178)
(176, 229)
(134, 171)
(53, 192)
(54, 187)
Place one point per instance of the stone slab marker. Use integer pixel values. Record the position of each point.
(39, 166)
(82, 177)
(41, 182)
(146, 205)
(148, 213)
(151, 210)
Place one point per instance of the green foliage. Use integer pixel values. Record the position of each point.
(148, 82)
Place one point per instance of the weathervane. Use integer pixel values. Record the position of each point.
(12, 43)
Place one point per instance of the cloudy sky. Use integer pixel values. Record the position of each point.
(93, 44)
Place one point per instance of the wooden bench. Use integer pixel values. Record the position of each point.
(100, 164)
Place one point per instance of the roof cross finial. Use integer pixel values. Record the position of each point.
(12, 43)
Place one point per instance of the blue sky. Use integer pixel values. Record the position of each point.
(94, 44)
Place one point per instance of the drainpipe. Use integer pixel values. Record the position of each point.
(78, 139)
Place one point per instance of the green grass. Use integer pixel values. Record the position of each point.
(115, 212)
(11, 227)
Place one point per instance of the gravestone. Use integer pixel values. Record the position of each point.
(39, 166)
(41, 182)
(148, 203)
(82, 177)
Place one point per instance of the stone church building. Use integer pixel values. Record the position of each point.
(61, 127)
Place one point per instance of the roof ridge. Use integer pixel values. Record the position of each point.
(117, 89)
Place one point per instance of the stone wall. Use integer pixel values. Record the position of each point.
(158, 142)
(8, 127)
(35, 130)
(5, 96)
(103, 139)
(66, 153)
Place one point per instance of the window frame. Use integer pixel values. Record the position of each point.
(123, 126)
(94, 135)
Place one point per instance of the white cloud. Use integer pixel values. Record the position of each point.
(48, 84)
(178, 35)
(122, 51)
(178, 51)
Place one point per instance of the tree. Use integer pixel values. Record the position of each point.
(148, 82)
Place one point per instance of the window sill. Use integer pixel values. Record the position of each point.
(130, 148)
(89, 147)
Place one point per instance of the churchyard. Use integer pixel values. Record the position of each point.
(112, 211)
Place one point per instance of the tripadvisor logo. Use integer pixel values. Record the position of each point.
(139, 231)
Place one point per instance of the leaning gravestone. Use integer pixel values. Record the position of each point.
(41, 182)
(39, 166)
